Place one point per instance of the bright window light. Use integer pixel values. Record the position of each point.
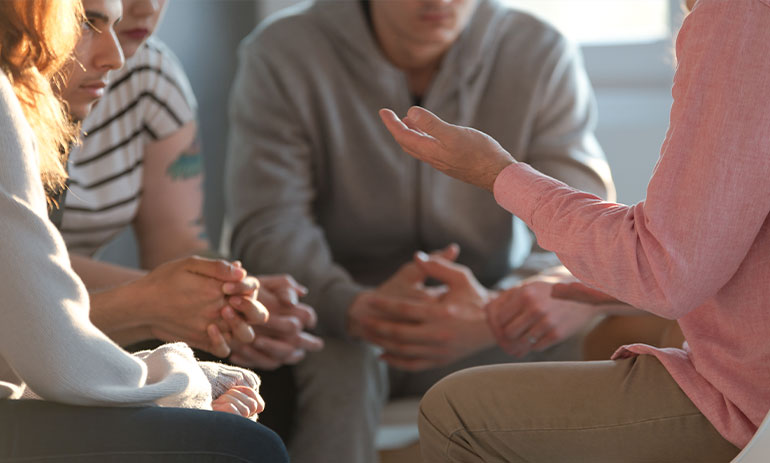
(604, 21)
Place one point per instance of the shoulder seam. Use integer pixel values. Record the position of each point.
(130, 72)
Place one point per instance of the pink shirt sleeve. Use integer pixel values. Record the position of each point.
(710, 192)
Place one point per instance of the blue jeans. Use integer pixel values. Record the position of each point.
(32, 430)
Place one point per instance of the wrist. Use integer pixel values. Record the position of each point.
(352, 325)
(482, 335)
(333, 308)
(131, 336)
(495, 171)
(119, 313)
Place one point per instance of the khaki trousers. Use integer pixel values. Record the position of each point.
(624, 411)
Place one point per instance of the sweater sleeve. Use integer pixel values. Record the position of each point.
(709, 194)
(270, 190)
(46, 336)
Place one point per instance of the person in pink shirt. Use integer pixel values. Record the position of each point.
(697, 250)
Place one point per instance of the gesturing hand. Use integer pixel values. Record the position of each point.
(460, 152)
(526, 318)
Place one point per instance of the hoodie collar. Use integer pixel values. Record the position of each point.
(346, 20)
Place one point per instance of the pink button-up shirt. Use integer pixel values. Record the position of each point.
(697, 249)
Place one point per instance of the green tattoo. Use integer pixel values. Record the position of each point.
(189, 164)
(186, 166)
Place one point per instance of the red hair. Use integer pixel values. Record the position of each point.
(37, 38)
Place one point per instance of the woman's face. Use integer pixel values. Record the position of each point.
(140, 18)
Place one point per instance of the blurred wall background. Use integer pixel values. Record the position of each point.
(632, 84)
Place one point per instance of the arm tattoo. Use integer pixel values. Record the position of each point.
(189, 164)
(200, 223)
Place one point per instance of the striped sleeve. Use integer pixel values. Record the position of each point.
(167, 96)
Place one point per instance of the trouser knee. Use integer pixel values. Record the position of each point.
(351, 370)
(438, 407)
(248, 440)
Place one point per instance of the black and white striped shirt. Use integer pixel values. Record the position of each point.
(148, 99)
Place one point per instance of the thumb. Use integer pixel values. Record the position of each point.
(410, 273)
(423, 120)
(450, 273)
(219, 269)
(450, 253)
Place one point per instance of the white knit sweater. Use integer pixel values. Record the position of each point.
(47, 343)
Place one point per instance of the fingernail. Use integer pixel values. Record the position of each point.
(236, 301)
(228, 287)
(421, 256)
(228, 312)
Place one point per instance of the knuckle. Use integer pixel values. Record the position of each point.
(294, 324)
(214, 297)
(305, 312)
(443, 336)
(529, 297)
(443, 353)
(222, 265)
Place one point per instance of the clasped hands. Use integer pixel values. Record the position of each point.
(216, 306)
(421, 327)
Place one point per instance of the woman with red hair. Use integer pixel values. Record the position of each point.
(49, 350)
